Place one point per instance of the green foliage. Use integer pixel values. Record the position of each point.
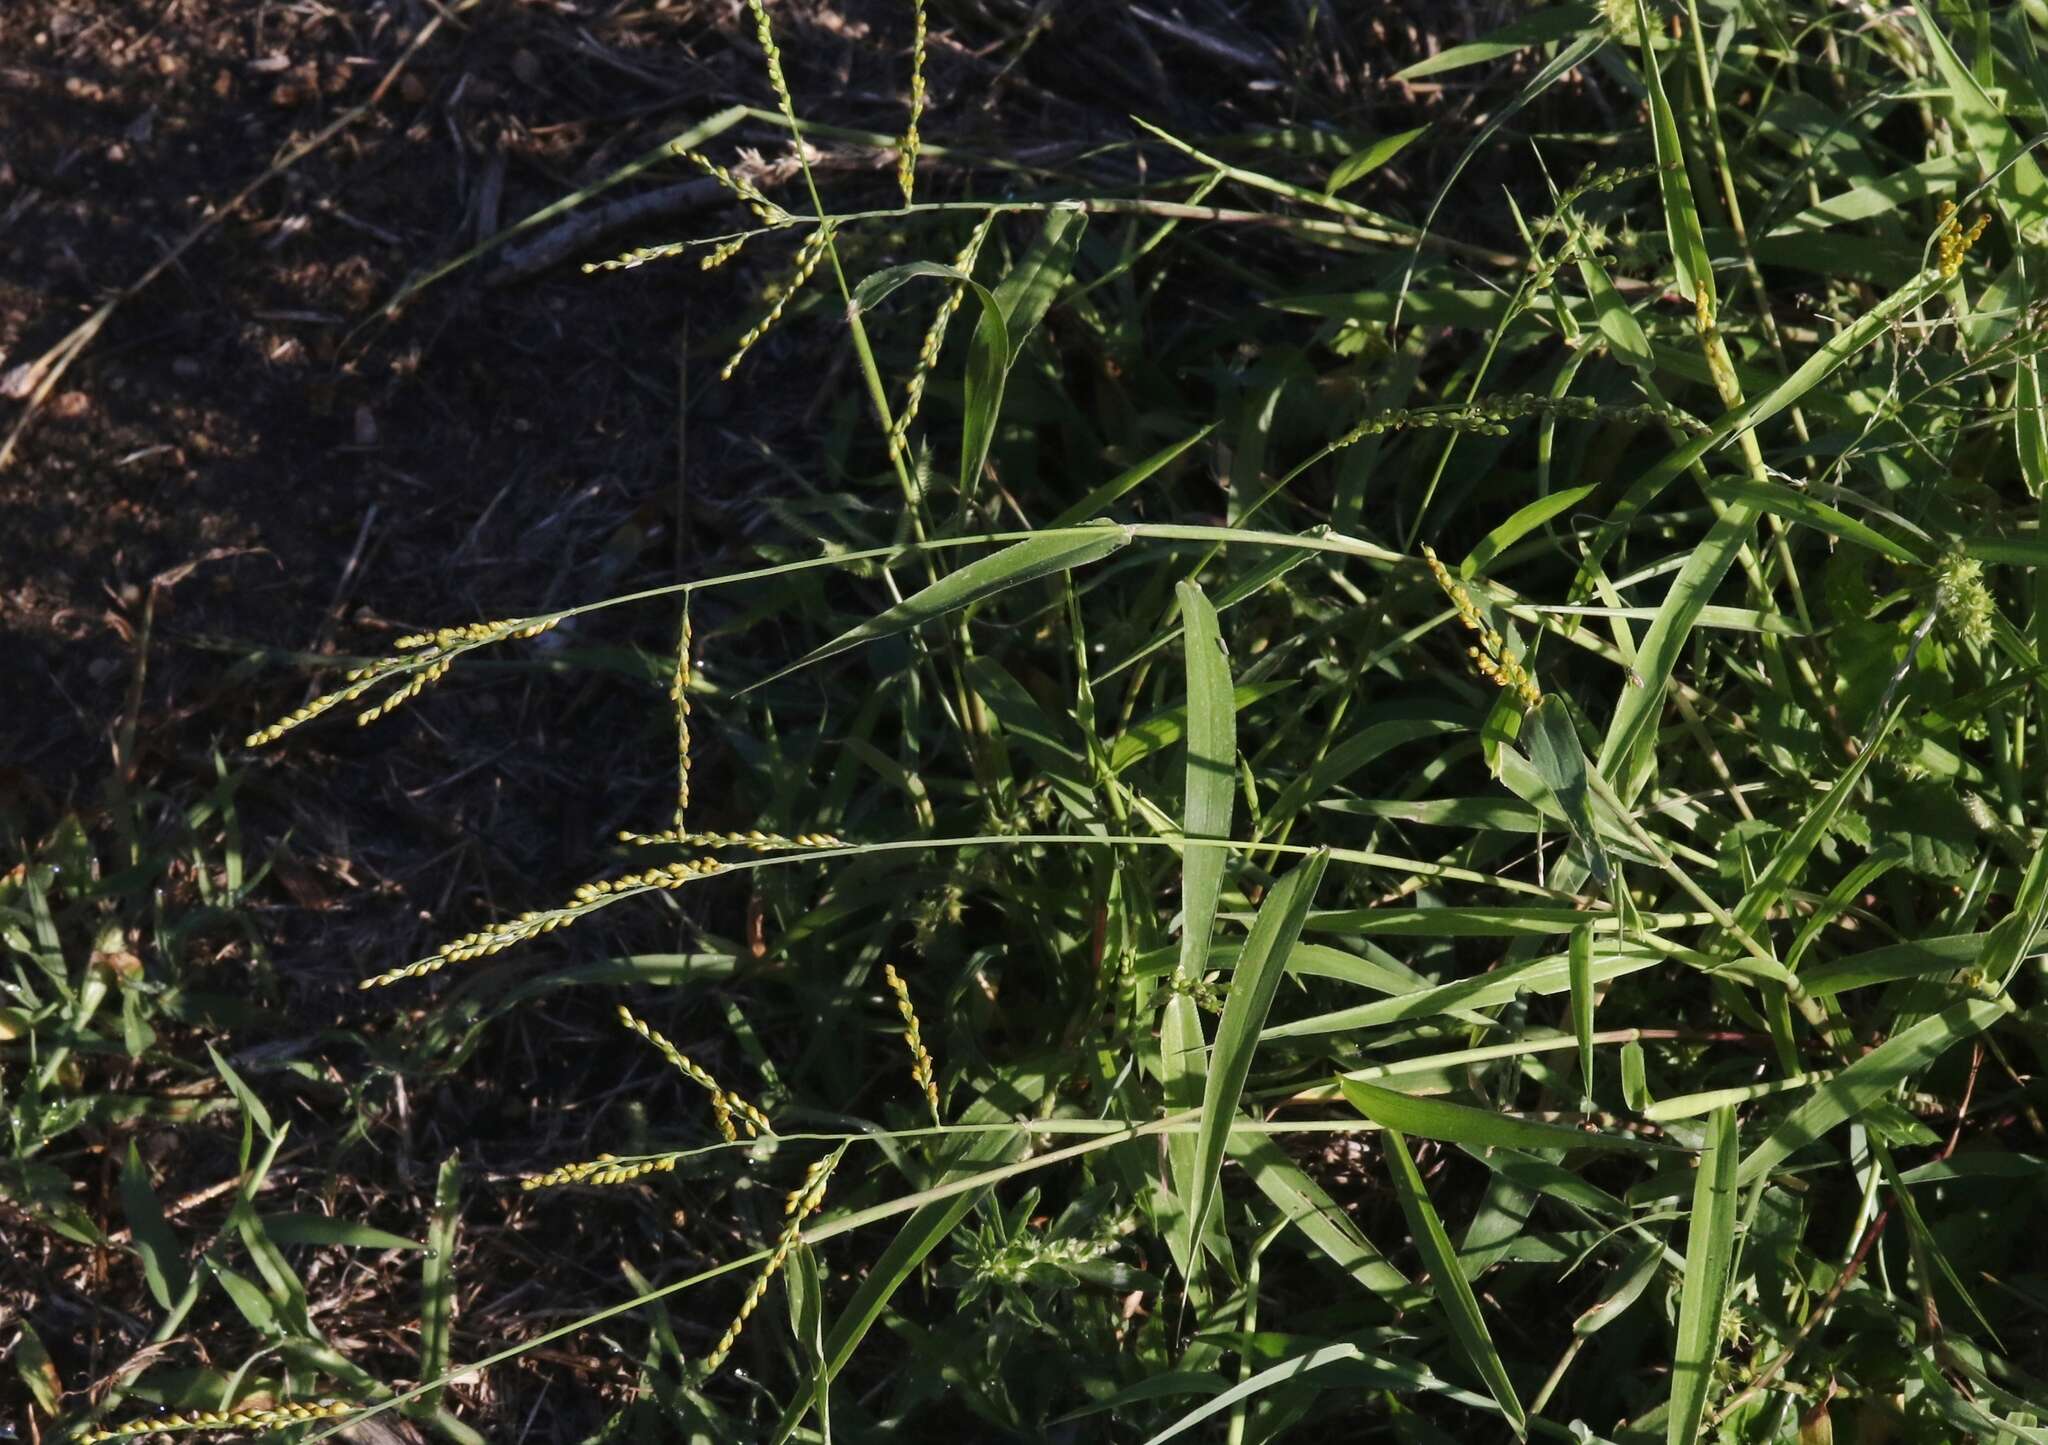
(1768, 548)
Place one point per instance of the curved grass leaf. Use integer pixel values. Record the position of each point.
(1377, 1372)
(1477, 1128)
(1252, 986)
(1869, 1080)
(1681, 215)
(1538, 976)
(163, 1264)
(1211, 772)
(1553, 748)
(1580, 960)
(984, 577)
(1447, 1279)
(1521, 524)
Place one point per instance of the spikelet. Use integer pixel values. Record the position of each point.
(1490, 415)
(679, 694)
(497, 937)
(803, 1201)
(1494, 659)
(723, 252)
(428, 656)
(604, 1169)
(639, 256)
(913, 1038)
(272, 1417)
(744, 189)
(772, 54)
(935, 338)
(724, 1104)
(754, 841)
(906, 152)
(807, 257)
(1955, 242)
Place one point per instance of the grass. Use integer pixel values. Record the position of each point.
(1345, 810)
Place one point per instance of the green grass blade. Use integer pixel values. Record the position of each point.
(1018, 563)
(1364, 1371)
(1709, 563)
(1538, 29)
(163, 1264)
(1868, 1081)
(2018, 183)
(1581, 963)
(1709, 1258)
(1026, 293)
(926, 1228)
(1252, 986)
(1211, 772)
(1560, 762)
(1538, 976)
(1447, 1279)
(1322, 1221)
(1369, 158)
(1681, 214)
(1521, 524)
(437, 1278)
(1477, 1128)
(1126, 480)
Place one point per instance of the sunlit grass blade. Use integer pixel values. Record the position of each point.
(1709, 1258)
(1869, 1080)
(1554, 749)
(1681, 215)
(163, 1263)
(1642, 702)
(1127, 480)
(1580, 960)
(437, 1279)
(1478, 1128)
(1018, 563)
(1322, 1221)
(1447, 1280)
(1211, 772)
(1257, 978)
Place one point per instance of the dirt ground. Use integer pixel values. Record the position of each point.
(257, 463)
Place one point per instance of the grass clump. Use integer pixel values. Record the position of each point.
(1697, 987)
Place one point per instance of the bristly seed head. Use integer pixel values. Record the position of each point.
(1494, 659)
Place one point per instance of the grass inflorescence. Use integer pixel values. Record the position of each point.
(1335, 1040)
